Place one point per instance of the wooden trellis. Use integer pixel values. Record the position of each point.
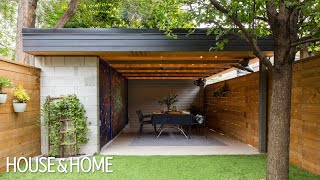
(67, 135)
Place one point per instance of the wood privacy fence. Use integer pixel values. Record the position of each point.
(236, 114)
(20, 132)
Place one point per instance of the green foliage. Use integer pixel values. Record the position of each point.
(68, 106)
(4, 82)
(155, 14)
(169, 100)
(116, 14)
(222, 91)
(8, 10)
(253, 16)
(21, 95)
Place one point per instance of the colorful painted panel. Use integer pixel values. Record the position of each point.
(113, 102)
(105, 103)
(119, 102)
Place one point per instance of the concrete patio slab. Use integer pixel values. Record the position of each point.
(121, 146)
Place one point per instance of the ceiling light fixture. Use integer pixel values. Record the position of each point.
(216, 57)
(201, 57)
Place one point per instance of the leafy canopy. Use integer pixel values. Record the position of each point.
(252, 14)
(95, 14)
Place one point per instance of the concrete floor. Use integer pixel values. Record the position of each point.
(120, 146)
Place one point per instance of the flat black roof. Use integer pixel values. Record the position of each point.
(114, 39)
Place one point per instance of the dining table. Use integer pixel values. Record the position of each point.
(176, 121)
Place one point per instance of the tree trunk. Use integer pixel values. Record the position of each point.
(279, 126)
(26, 19)
(68, 14)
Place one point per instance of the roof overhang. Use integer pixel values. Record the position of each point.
(145, 53)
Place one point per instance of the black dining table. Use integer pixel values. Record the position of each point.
(172, 121)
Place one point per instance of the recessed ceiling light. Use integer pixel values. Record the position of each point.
(201, 57)
(204, 64)
(192, 64)
(216, 57)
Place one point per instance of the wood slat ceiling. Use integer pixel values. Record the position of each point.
(173, 65)
(167, 65)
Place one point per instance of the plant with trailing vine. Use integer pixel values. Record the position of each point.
(55, 109)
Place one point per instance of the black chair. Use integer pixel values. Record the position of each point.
(143, 119)
(201, 128)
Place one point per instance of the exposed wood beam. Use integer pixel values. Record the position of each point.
(165, 75)
(171, 66)
(161, 78)
(187, 72)
(170, 71)
(147, 55)
(173, 62)
(170, 58)
(168, 54)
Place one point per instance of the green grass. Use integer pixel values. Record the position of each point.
(174, 167)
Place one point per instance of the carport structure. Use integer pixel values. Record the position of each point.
(138, 54)
(145, 53)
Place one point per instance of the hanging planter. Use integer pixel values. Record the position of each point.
(4, 82)
(19, 107)
(21, 97)
(3, 98)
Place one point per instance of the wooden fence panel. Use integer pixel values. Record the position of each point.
(20, 132)
(236, 114)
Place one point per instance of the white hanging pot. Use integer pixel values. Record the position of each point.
(3, 98)
(19, 107)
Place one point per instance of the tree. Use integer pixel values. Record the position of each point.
(85, 14)
(7, 21)
(27, 19)
(293, 24)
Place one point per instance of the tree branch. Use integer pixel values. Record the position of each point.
(68, 14)
(262, 18)
(248, 36)
(300, 42)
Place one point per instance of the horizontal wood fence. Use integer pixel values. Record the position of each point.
(236, 114)
(20, 132)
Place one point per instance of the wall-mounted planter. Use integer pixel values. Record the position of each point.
(19, 107)
(3, 98)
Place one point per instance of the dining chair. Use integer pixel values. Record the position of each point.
(143, 119)
(201, 128)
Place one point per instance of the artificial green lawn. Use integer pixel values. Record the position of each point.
(174, 167)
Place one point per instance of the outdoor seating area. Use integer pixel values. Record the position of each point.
(154, 89)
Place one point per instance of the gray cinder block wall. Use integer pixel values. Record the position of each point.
(62, 75)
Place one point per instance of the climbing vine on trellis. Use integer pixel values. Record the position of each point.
(67, 106)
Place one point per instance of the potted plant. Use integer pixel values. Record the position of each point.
(4, 82)
(168, 101)
(21, 97)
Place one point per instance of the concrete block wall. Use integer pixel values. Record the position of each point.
(62, 75)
